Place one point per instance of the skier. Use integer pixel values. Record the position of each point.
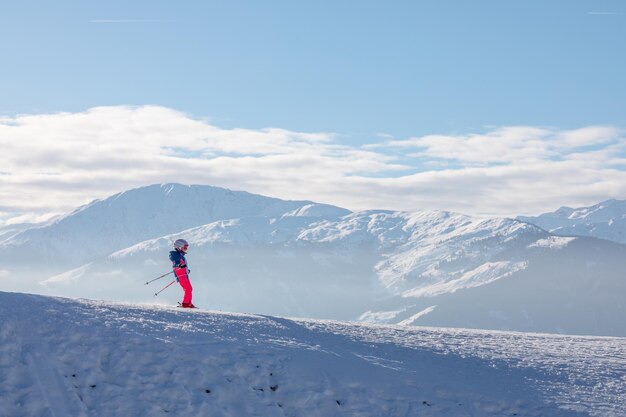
(181, 270)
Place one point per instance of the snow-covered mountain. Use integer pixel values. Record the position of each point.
(104, 226)
(606, 220)
(256, 254)
(312, 267)
(87, 358)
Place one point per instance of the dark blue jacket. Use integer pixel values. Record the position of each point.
(178, 259)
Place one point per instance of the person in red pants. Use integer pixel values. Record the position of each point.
(181, 270)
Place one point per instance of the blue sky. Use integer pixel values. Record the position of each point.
(368, 74)
(353, 67)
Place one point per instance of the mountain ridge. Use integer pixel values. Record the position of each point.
(605, 220)
(139, 214)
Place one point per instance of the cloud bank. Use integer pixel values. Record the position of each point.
(51, 163)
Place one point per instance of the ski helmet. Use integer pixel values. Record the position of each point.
(181, 244)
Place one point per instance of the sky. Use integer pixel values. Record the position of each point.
(494, 108)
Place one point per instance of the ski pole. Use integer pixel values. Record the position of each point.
(152, 280)
(157, 293)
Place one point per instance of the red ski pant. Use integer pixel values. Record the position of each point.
(184, 282)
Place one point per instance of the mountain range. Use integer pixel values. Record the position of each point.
(251, 253)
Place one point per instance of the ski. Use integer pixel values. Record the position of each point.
(181, 306)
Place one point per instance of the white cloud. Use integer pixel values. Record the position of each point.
(512, 145)
(54, 162)
(31, 218)
(588, 136)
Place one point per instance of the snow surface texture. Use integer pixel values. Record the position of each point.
(62, 357)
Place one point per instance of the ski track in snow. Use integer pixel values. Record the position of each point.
(61, 357)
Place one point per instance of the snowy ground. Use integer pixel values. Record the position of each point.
(62, 357)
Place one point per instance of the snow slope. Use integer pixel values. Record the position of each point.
(430, 252)
(62, 357)
(606, 220)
